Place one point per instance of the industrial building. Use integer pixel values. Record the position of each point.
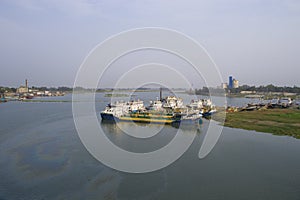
(23, 89)
(233, 83)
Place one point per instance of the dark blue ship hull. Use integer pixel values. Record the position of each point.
(108, 117)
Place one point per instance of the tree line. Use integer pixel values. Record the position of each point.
(266, 89)
(204, 90)
(259, 89)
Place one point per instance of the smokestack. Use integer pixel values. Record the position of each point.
(160, 94)
(26, 83)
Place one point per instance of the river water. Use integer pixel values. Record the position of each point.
(42, 157)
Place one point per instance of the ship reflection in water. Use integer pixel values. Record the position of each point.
(145, 137)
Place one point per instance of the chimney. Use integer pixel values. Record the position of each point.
(26, 83)
(160, 94)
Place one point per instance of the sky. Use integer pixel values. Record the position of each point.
(255, 41)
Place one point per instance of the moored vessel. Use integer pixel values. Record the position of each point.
(165, 111)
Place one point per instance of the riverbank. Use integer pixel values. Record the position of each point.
(275, 121)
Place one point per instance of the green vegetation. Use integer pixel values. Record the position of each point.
(46, 101)
(236, 92)
(51, 101)
(266, 89)
(275, 121)
(116, 95)
(7, 89)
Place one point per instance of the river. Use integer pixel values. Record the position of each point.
(42, 157)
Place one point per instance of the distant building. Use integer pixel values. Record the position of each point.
(248, 92)
(230, 85)
(224, 85)
(23, 89)
(235, 83)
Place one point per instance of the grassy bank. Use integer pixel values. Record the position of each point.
(275, 121)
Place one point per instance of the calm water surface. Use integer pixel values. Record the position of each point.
(42, 157)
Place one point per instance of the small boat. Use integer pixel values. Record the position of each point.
(190, 118)
(209, 111)
(285, 102)
(26, 96)
(3, 100)
(250, 108)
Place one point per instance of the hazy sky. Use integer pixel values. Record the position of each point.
(256, 41)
